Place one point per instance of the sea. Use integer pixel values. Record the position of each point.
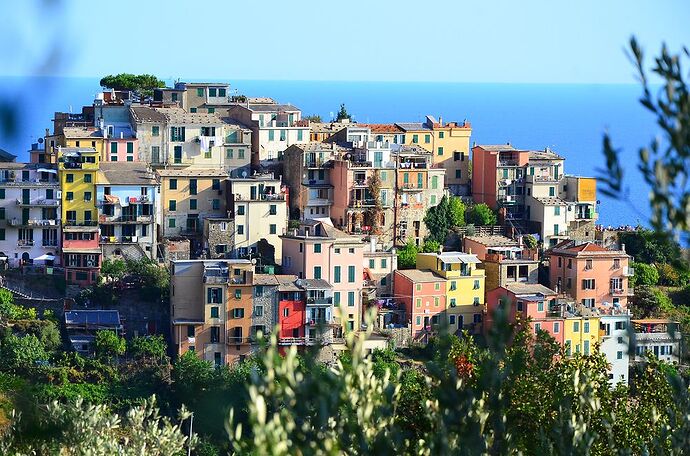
(570, 119)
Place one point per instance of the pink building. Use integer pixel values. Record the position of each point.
(81, 254)
(423, 294)
(317, 250)
(532, 301)
(495, 169)
(124, 148)
(481, 245)
(594, 276)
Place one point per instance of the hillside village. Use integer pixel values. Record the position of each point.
(265, 221)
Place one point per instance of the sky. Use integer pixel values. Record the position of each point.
(506, 41)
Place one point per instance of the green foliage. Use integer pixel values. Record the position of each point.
(342, 114)
(313, 118)
(191, 374)
(530, 241)
(22, 352)
(646, 274)
(384, 361)
(670, 276)
(448, 213)
(431, 246)
(113, 269)
(155, 280)
(148, 347)
(11, 311)
(78, 428)
(647, 246)
(143, 84)
(109, 345)
(481, 214)
(407, 256)
(49, 335)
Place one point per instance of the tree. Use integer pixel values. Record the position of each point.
(481, 214)
(668, 275)
(342, 114)
(11, 311)
(407, 256)
(109, 344)
(374, 187)
(77, 428)
(530, 241)
(431, 246)
(313, 118)
(113, 269)
(49, 335)
(646, 274)
(191, 374)
(456, 211)
(148, 347)
(438, 220)
(22, 352)
(142, 84)
(647, 246)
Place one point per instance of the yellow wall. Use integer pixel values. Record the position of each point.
(587, 189)
(578, 338)
(79, 187)
(454, 139)
(182, 196)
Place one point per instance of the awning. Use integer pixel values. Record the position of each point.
(505, 249)
(112, 199)
(47, 170)
(45, 257)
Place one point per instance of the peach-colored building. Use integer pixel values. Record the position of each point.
(423, 295)
(122, 149)
(493, 166)
(481, 245)
(533, 301)
(317, 250)
(594, 276)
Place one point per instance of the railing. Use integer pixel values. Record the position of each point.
(74, 222)
(320, 301)
(360, 164)
(119, 239)
(317, 163)
(536, 178)
(126, 218)
(291, 341)
(216, 279)
(29, 183)
(25, 243)
(657, 336)
(360, 183)
(362, 203)
(318, 322)
(261, 197)
(49, 243)
(39, 202)
(413, 165)
(233, 339)
(411, 187)
(628, 271)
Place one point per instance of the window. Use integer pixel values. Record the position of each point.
(475, 302)
(271, 135)
(476, 285)
(619, 355)
(130, 158)
(69, 177)
(130, 147)
(588, 264)
(192, 204)
(2, 234)
(238, 295)
(568, 348)
(440, 151)
(214, 312)
(372, 263)
(200, 92)
(172, 205)
(69, 196)
(452, 302)
(2, 213)
(286, 312)
(586, 347)
(317, 272)
(171, 223)
(336, 274)
(272, 228)
(113, 147)
(537, 327)
(576, 326)
(451, 320)
(177, 134)
(556, 327)
(240, 154)
(350, 298)
(192, 186)
(272, 209)
(427, 139)
(240, 209)
(87, 196)
(588, 284)
(586, 327)
(620, 325)
(317, 248)
(437, 286)
(570, 263)
(337, 250)
(173, 184)
(211, 91)
(155, 130)
(616, 263)
(418, 303)
(351, 274)
(419, 320)
(336, 298)
(384, 263)
(415, 139)
(299, 135)
(351, 250)
(215, 335)
(229, 153)
(458, 174)
(557, 210)
(555, 229)
(215, 204)
(552, 191)
(436, 301)
(283, 135)
(519, 306)
(540, 306)
(240, 229)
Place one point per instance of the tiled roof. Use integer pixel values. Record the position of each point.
(420, 275)
(529, 288)
(311, 284)
(496, 147)
(146, 114)
(550, 200)
(270, 107)
(493, 241)
(265, 279)
(6, 156)
(412, 126)
(568, 248)
(588, 247)
(180, 116)
(125, 173)
(192, 171)
(383, 128)
(544, 155)
(82, 132)
(287, 282)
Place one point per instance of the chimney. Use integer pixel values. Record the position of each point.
(623, 248)
(440, 120)
(372, 243)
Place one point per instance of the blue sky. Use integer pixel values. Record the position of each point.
(465, 41)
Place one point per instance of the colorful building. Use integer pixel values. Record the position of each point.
(660, 337)
(594, 276)
(464, 287)
(422, 293)
(449, 144)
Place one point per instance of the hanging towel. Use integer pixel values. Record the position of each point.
(204, 141)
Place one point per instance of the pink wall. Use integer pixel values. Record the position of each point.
(484, 176)
(342, 183)
(407, 293)
(530, 310)
(122, 149)
(602, 272)
(476, 248)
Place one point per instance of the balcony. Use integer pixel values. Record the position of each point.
(542, 178)
(362, 203)
(261, 197)
(318, 163)
(29, 183)
(317, 322)
(621, 292)
(408, 187)
(25, 243)
(360, 183)
(628, 271)
(50, 243)
(40, 202)
(291, 341)
(413, 165)
(119, 239)
(234, 339)
(108, 219)
(322, 301)
(360, 164)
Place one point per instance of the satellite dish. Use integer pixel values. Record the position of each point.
(40, 140)
(244, 173)
(253, 260)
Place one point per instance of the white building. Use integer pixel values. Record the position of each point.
(615, 344)
(259, 207)
(660, 337)
(30, 212)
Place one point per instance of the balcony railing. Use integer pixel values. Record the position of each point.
(33, 222)
(49, 243)
(261, 197)
(42, 202)
(362, 203)
(411, 187)
(125, 219)
(119, 239)
(628, 271)
(25, 243)
(320, 301)
(29, 183)
(413, 165)
(216, 279)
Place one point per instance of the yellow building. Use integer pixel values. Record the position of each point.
(464, 287)
(77, 172)
(581, 334)
(449, 144)
(84, 137)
